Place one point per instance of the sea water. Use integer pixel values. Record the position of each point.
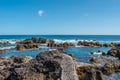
(76, 51)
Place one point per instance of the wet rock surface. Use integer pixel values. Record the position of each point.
(94, 75)
(2, 51)
(95, 44)
(4, 42)
(105, 65)
(27, 46)
(115, 51)
(64, 45)
(31, 43)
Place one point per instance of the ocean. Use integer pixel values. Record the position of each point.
(81, 53)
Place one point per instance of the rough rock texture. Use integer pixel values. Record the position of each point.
(2, 51)
(110, 68)
(65, 45)
(32, 43)
(105, 65)
(95, 44)
(11, 61)
(55, 65)
(109, 64)
(26, 46)
(52, 65)
(115, 51)
(94, 75)
(89, 44)
(4, 42)
(85, 72)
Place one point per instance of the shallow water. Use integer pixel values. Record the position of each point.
(78, 52)
(83, 53)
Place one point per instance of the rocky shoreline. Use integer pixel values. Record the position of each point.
(56, 65)
(51, 65)
(33, 43)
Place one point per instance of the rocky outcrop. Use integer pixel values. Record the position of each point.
(94, 75)
(35, 40)
(115, 52)
(55, 65)
(110, 68)
(52, 65)
(4, 42)
(109, 65)
(88, 72)
(13, 61)
(26, 46)
(32, 43)
(102, 65)
(63, 45)
(32, 40)
(2, 51)
(95, 44)
(89, 43)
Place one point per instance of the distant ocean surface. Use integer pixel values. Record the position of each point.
(78, 52)
(104, 38)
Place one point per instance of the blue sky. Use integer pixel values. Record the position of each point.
(60, 17)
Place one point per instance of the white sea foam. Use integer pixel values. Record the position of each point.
(9, 47)
(109, 41)
(79, 46)
(63, 41)
(10, 41)
(99, 53)
(75, 42)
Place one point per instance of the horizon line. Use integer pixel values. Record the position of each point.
(59, 34)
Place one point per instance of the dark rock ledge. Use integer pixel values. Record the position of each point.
(53, 65)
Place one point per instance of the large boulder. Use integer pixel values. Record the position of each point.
(115, 52)
(32, 40)
(52, 65)
(27, 46)
(32, 43)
